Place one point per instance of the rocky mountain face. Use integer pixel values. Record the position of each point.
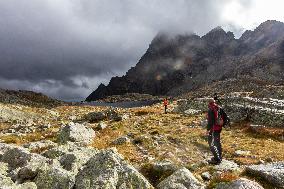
(173, 65)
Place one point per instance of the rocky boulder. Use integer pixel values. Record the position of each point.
(3, 168)
(55, 177)
(75, 132)
(44, 144)
(16, 157)
(241, 183)
(182, 178)
(5, 182)
(113, 115)
(164, 166)
(31, 169)
(121, 140)
(95, 117)
(272, 172)
(72, 161)
(107, 169)
(227, 165)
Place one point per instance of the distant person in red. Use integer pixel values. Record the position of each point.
(166, 103)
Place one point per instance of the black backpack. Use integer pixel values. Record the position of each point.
(222, 114)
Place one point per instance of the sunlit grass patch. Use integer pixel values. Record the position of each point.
(31, 137)
(225, 177)
(261, 147)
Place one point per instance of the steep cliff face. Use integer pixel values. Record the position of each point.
(174, 65)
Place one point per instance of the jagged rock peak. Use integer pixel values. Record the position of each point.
(272, 29)
(217, 29)
(218, 35)
(163, 38)
(270, 23)
(101, 85)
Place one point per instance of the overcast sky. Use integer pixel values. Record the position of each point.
(66, 48)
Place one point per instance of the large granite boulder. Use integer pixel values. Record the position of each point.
(69, 147)
(74, 160)
(181, 179)
(75, 132)
(272, 172)
(108, 170)
(16, 157)
(60, 150)
(5, 181)
(241, 183)
(5, 147)
(31, 169)
(56, 178)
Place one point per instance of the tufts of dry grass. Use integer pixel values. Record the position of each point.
(225, 177)
(261, 145)
(31, 137)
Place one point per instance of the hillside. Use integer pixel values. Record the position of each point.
(29, 98)
(174, 65)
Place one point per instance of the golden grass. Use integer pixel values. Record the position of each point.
(31, 137)
(225, 177)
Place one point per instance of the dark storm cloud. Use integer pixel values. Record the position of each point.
(65, 48)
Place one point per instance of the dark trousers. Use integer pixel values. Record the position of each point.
(214, 142)
(166, 109)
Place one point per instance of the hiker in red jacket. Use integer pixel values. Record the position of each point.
(214, 128)
(166, 103)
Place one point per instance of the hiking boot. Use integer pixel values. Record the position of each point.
(213, 161)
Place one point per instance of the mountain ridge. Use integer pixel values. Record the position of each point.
(179, 64)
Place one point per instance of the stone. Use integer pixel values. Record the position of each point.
(113, 115)
(206, 176)
(192, 112)
(164, 166)
(26, 185)
(95, 117)
(55, 177)
(72, 161)
(182, 179)
(3, 168)
(227, 165)
(60, 150)
(6, 182)
(204, 123)
(107, 169)
(40, 145)
(242, 153)
(272, 172)
(125, 117)
(241, 183)
(77, 133)
(5, 147)
(121, 140)
(101, 126)
(30, 171)
(16, 157)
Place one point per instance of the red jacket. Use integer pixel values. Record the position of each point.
(212, 117)
(166, 102)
